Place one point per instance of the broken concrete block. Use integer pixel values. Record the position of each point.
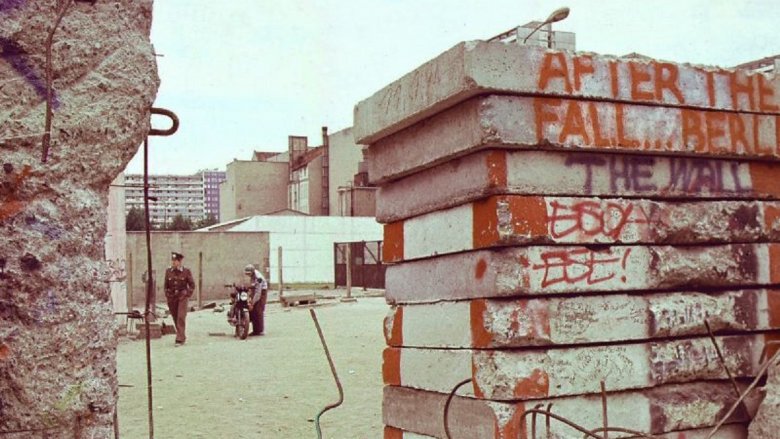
(57, 322)
(515, 122)
(504, 220)
(548, 173)
(510, 375)
(729, 431)
(766, 423)
(476, 67)
(550, 321)
(540, 270)
(659, 410)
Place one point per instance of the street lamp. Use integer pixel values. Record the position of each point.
(557, 15)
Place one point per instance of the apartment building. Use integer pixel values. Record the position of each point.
(193, 197)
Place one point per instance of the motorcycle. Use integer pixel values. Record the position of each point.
(239, 310)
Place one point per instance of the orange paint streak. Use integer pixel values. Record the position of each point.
(716, 128)
(542, 116)
(667, 82)
(529, 216)
(758, 148)
(535, 386)
(692, 127)
(550, 72)
(765, 91)
(393, 433)
(774, 263)
(613, 78)
(764, 178)
(773, 303)
(738, 88)
(5, 352)
(13, 206)
(391, 366)
(393, 247)
(480, 336)
(485, 222)
(737, 133)
(639, 76)
(496, 167)
(711, 87)
(513, 428)
(394, 337)
(771, 217)
(573, 124)
(480, 269)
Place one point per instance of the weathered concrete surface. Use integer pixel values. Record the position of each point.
(477, 67)
(521, 220)
(57, 331)
(540, 270)
(729, 431)
(534, 123)
(491, 324)
(663, 409)
(766, 423)
(517, 375)
(548, 173)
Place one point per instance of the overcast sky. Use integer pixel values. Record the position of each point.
(242, 75)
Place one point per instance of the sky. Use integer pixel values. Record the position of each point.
(242, 75)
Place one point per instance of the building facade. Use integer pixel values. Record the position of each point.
(193, 197)
(211, 181)
(253, 188)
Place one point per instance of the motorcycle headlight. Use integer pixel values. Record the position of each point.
(244, 295)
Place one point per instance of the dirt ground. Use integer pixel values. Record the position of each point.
(272, 386)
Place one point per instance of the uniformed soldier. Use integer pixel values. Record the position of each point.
(179, 286)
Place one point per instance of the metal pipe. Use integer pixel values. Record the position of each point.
(333, 371)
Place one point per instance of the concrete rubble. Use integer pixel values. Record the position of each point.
(58, 335)
(555, 221)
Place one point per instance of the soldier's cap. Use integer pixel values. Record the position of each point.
(177, 256)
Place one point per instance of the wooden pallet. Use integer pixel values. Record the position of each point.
(298, 299)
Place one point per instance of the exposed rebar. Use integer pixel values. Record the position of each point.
(149, 292)
(46, 142)
(335, 376)
(447, 406)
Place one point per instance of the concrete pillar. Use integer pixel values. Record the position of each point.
(557, 220)
(57, 329)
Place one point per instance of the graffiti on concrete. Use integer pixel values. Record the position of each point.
(19, 60)
(593, 219)
(659, 82)
(582, 266)
(662, 174)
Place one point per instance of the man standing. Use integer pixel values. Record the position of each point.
(179, 286)
(259, 287)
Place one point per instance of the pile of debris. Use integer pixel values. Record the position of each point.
(589, 239)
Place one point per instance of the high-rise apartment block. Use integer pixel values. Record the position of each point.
(194, 197)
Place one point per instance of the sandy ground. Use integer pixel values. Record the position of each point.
(265, 387)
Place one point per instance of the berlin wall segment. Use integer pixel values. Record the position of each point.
(658, 410)
(518, 122)
(474, 68)
(728, 431)
(559, 321)
(523, 220)
(545, 270)
(517, 374)
(548, 173)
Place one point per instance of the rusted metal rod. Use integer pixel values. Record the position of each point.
(760, 373)
(721, 359)
(335, 376)
(447, 406)
(604, 409)
(46, 142)
(149, 292)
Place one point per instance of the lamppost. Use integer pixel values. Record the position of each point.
(557, 15)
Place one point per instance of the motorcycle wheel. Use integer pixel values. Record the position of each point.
(242, 328)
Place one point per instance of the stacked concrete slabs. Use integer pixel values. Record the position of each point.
(555, 221)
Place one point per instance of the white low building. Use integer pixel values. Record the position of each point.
(306, 241)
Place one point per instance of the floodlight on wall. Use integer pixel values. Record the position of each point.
(557, 15)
